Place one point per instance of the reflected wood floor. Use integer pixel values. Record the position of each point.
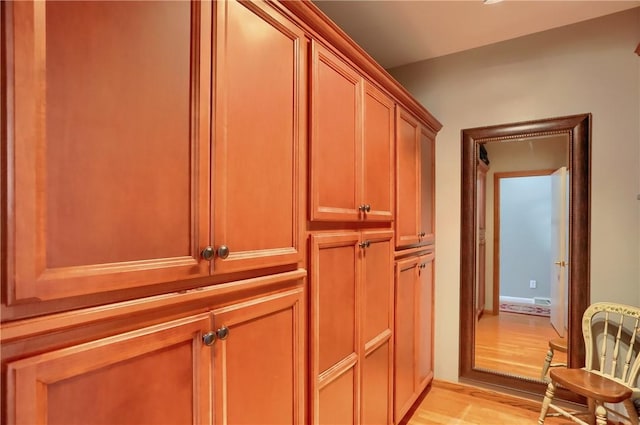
(449, 403)
(514, 343)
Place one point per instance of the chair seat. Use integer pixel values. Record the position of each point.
(591, 385)
(558, 344)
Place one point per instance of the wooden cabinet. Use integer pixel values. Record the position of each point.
(351, 327)
(260, 132)
(377, 328)
(155, 375)
(111, 184)
(352, 126)
(413, 338)
(415, 181)
(377, 154)
(201, 369)
(259, 360)
(108, 184)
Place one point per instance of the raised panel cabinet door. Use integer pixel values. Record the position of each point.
(378, 154)
(259, 360)
(107, 182)
(377, 327)
(334, 329)
(427, 185)
(407, 179)
(155, 375)
(425, 322)
(260, 133)
(377, 385)
(405, 337)
(336, 135)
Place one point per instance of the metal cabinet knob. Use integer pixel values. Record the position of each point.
(367, 208)
(209, 338)
(207, 253)
(223, 251)
(422, 234)
(362, 208)
(223, 332)
(364, 244)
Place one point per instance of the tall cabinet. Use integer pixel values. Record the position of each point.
(414, 266)
(207, 206)
(154, 238)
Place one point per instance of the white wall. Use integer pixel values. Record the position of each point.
(586, 67)
(525, 236)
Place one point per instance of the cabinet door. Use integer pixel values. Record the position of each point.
(377, 154)
(336, 133)
(377, 328)
(334, 328)
(407, 180)
(260, 129)
(259, 361)
(108, 183)
(405, 336)
(427, 185)
(156, 375)
(424, 323)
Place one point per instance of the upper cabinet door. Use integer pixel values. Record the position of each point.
(408, 179)
(427, 185)
(260, 130)
(108, 145)
(336, 137)
(377, 156)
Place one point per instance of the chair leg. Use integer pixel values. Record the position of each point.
(548, 396)
(601, 414)
(547, 363)
(591, 419)
(632, 412)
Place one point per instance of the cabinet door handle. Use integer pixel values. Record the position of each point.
(207, 253)
(362, 208)
(364, 244)
(367, 208)
(222, 333)
(223, 251)
(209, 338)
(422, 234)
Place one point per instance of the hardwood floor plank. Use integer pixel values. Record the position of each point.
(449, 403)
(514, 343)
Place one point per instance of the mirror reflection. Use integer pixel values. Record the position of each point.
(521, 253)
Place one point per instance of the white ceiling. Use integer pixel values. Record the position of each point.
(399, 32)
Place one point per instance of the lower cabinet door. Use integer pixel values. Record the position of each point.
(405, 337)
(424, 323)
(156, 375)
(258, 371)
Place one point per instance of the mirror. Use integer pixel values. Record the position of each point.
(569, 138)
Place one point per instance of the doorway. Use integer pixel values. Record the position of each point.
(522, 242)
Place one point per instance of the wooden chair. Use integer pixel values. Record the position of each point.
(612, 340)
(559, 345)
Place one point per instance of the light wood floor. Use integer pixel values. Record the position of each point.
(514, 343)
(448, 404)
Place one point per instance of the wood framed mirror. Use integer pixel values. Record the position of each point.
(576, 130)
